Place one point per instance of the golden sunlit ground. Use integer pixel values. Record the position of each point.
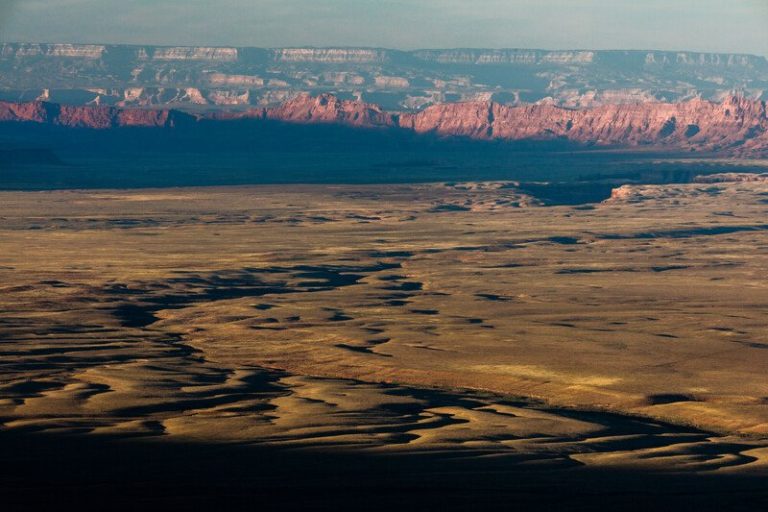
(400, 319)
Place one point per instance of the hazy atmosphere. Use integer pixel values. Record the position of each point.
(702, 25)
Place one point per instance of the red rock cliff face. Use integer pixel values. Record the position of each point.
(92, 117)
(736, 126)
(36, 112)
(327, 108)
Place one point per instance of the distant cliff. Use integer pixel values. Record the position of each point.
(736, 126)
(232, 78)
(92, 117)
(380, 55)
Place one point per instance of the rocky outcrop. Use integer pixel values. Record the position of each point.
(80, 51)
(505, 57)
(196, 53)
(694, 59)
(732, 177)
(391, 82)
(736, 126)
(327, 108)
(331, 55)
(625, 194)
(647, 59)
(33, 112)
(221, 79)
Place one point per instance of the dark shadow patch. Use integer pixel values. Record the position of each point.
(390, 254)
(361, 350)
(55, 471)
(751, 344)
(55, 284)
(448, 208)
(492, 297)
(132, 315)
(686, 233)
(227, 285)
(669, 398)
(30, 388)
(563, 240)
(669, 127)
(338, 316)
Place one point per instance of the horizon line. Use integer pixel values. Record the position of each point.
(393, 49)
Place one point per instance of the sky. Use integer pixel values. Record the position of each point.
(734, 26)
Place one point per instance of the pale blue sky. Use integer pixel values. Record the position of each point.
(706, 25)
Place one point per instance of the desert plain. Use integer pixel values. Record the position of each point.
(443, 333)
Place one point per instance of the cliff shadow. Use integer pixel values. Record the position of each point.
(258, 151)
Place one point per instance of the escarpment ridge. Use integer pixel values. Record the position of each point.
(196, 77)
(737, 125)
(93, 117)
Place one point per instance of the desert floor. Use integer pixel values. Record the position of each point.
(431, 345)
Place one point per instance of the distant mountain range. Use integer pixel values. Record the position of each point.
(206, 78)
(736, 126)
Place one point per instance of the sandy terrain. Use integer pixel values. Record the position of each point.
(454, 321)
